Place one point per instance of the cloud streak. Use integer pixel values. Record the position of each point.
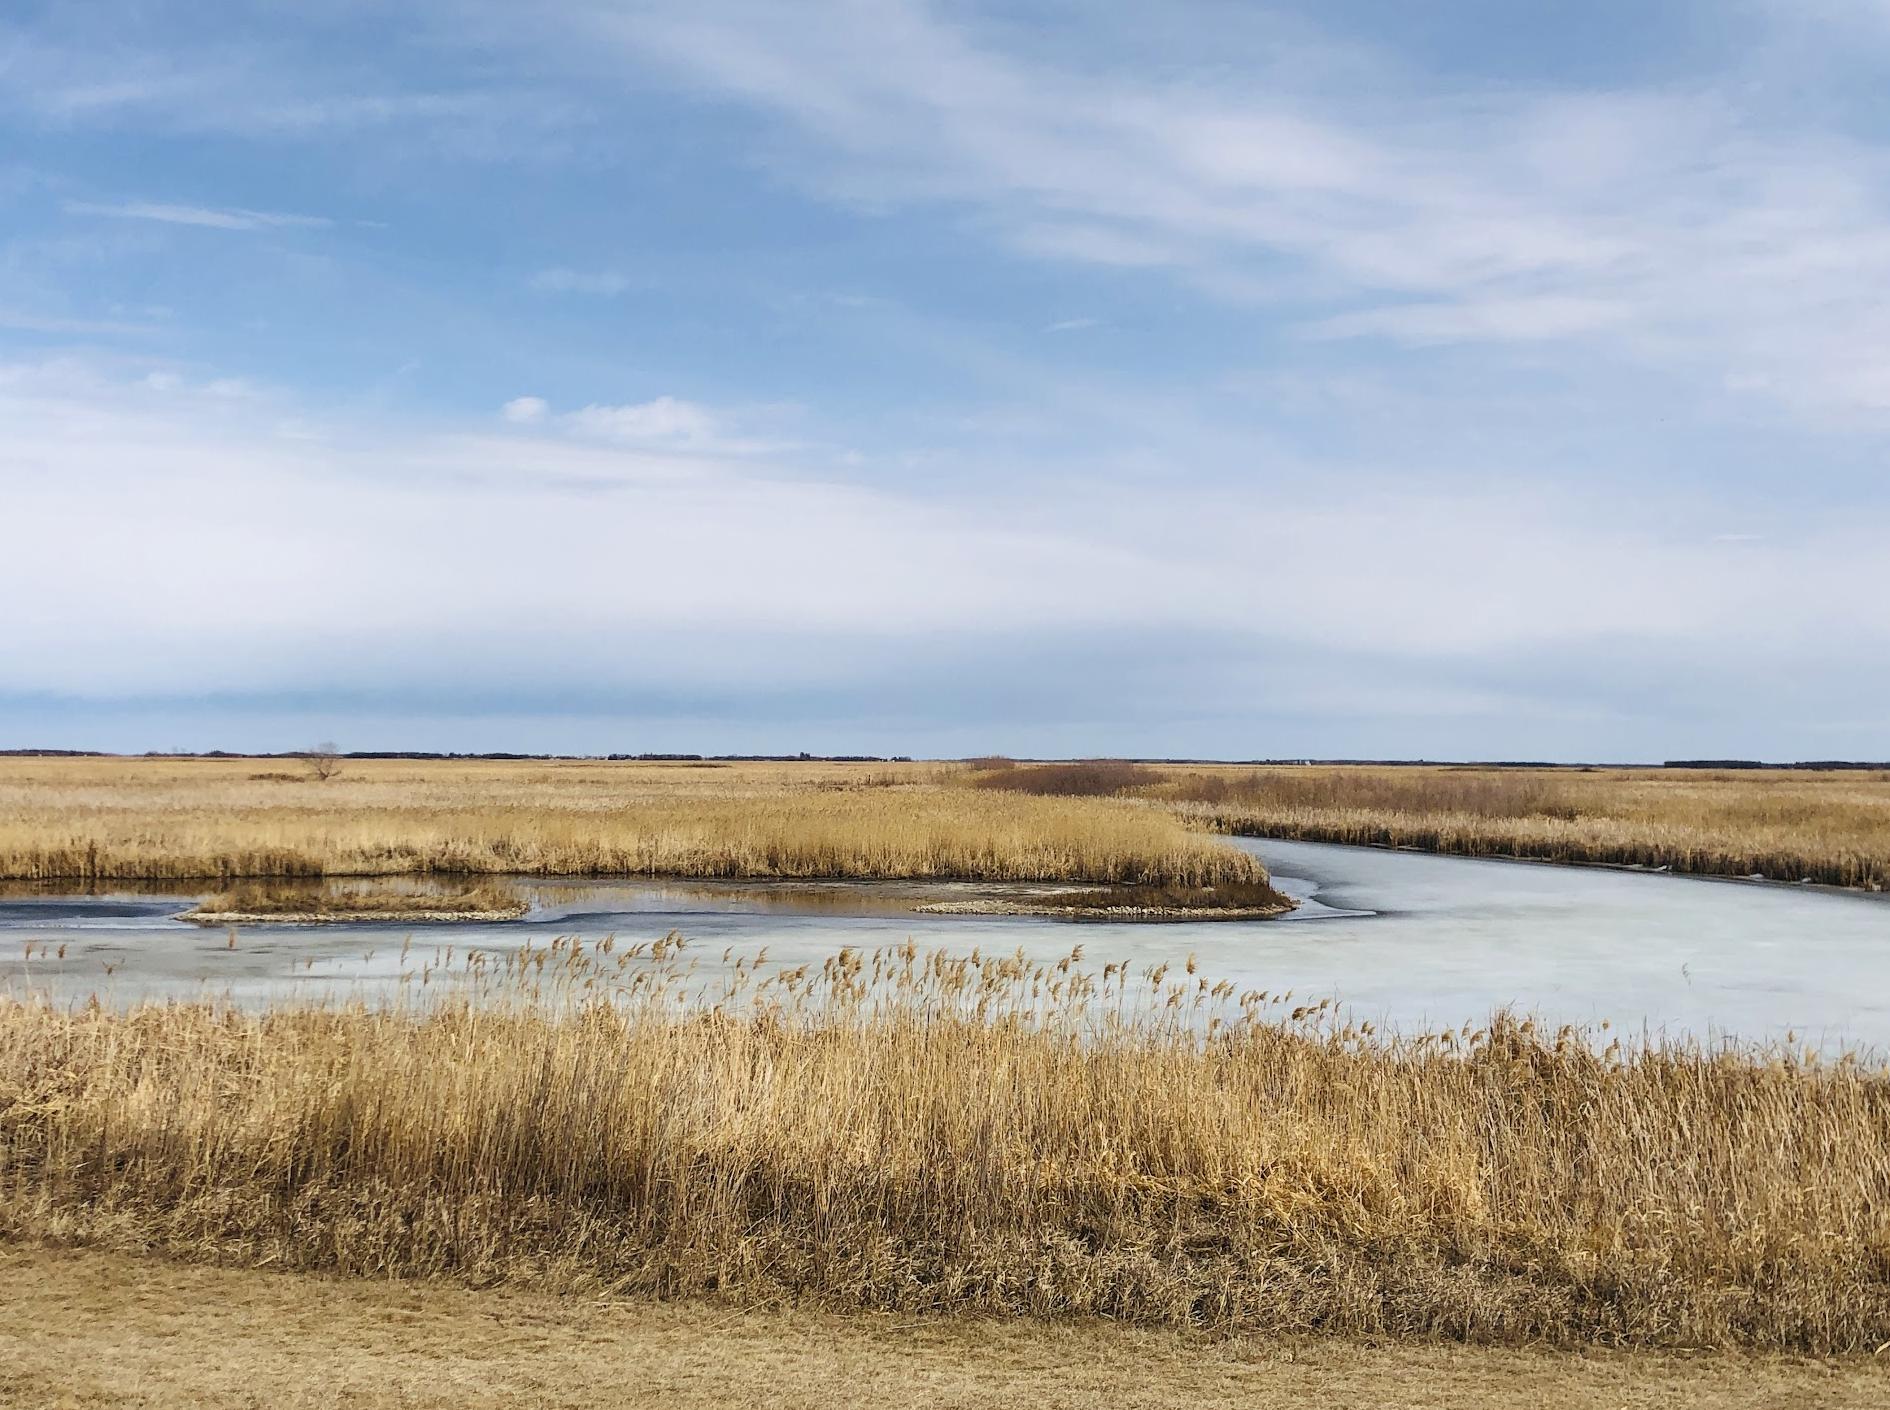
(603, 283)
(204, 217)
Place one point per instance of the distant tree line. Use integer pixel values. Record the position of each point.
(1808, 764)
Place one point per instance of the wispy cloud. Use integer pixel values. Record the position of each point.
(1389, 208)
(208, 217)
(525, 411)
(663, 424)
(666, 419)
(1527, 319)
(56, 326)
(605, 283)
(109, 66)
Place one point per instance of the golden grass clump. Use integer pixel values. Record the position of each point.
(1078, 778)
(104, 819)
(1785, 825)
(310, 902)
(917, 1132)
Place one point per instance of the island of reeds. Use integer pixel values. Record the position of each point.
(254, 903)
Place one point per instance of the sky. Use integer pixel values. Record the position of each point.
(1355, 379)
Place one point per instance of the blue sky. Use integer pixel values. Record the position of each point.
(1466, 380)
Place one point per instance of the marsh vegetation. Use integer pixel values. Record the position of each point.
(1782, 825)
(1827, 826)
(306, 903)
(97, 819)
(918, 1132)
(1107, 823)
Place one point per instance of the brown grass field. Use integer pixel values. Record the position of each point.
(94, 1331)
(1104, 822)
(921, 1135)
(89, 820)
(1784, 825)
(994, 1157)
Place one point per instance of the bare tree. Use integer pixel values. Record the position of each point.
(323, 761)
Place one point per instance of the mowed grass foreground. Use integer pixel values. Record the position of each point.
(96, 1329)
(180, 819)
(902, 1131)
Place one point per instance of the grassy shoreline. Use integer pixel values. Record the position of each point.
(1784, 826)
(919, 1133)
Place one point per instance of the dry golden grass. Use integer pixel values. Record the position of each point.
(93, 819)
(921, 1134)
(86, 1331)
(305, 902)
(1831, 827)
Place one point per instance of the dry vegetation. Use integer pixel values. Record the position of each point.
(89, 1330)
(1784, 825)
(1105, 822)
(923, 1134)
(102, 819)
(304, 904)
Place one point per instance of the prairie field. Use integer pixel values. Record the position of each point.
(1107, 822)
(1785, 825)
(90, 820)
(915, 1133)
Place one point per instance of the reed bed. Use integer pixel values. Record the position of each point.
(89, 820)
(1799, 825)
(906, 1131)
(310, 902)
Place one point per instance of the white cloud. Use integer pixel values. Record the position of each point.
(1423, 575)
(665, 424)
(664, 419)
(605, 283)
(208, 217)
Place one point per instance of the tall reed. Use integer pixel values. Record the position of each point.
(912, 1131)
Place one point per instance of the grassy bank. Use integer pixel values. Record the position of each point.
(88, 820)
(1832, 828)
(923, 1134)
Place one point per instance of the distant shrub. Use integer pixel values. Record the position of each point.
(1080, 778)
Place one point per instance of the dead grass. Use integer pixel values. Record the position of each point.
(1829, 827)
(1079, 778)
(252, 902)
(91, 819)
(920, 1134)
(86, 1331)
